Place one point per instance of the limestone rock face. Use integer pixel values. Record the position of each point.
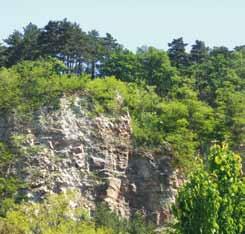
(70, 148)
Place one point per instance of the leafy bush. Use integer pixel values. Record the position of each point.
(53, 216)
(212, 201)
(31, 85)
(9, 184)
(104, 217)
(56, 215)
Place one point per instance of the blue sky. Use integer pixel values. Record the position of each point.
(137, 22)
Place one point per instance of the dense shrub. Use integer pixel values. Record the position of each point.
(212, 201)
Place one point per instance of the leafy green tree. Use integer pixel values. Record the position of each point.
(230, 116)
(28, 86)
(122, 64)
(213, 74)
(10, 94)
(149, 65)
(212, 199)
(227, 168)
(155, 69)
(238, 64)
(174, 128)
(222, 50)
(198, 205)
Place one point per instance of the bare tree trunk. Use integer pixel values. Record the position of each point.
(93, 69)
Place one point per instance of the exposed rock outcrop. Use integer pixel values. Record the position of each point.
(69, 148)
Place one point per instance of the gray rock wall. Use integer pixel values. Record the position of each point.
(69, 148)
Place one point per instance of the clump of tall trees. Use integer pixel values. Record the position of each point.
(80, 51)
(198, 94)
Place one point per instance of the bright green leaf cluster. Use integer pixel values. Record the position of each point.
(212, 201)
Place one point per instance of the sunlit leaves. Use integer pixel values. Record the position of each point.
(212, 199)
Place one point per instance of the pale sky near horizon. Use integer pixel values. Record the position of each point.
(136, 22)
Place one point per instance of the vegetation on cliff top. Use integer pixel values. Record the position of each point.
(187, 99)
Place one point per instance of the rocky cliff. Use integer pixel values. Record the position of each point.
(71, 148)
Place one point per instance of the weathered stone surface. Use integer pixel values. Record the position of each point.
(69, 149)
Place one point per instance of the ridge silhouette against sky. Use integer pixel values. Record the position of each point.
(136, 22)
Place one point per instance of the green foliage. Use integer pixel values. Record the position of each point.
(199, 52)
(104, 217)
(135, 225)
(230, 116)
(226, 166)
(54, 215)
(212, 199)
(31, 85)
(178, 54)
(9, 184)
(168, 112)
(81, 52)
(155, 69)
(107, 95)
(155, 121)
(175, 98)
(123, 64)
(198, 205)
(2, 55)
(149, 65)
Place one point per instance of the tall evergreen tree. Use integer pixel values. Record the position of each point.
(30, 47)
(14, 47)
(199, 52)
(95, 52)
(65, 41)
(22, 46)
(177, 53)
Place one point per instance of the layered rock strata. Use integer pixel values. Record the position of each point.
(70, 148)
